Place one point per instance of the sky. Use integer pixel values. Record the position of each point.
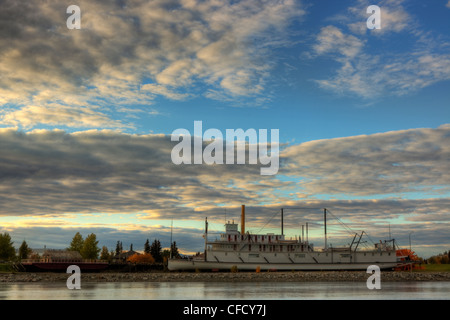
(87, 117)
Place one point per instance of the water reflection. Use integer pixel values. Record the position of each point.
(224, 291)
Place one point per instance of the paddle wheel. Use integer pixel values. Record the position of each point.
(408, 260)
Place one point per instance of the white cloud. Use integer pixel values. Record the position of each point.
(127, 53)
(59, 115)
(394, 163)
(331, 39)
(371, 71)
(50, 172)
(368, 180)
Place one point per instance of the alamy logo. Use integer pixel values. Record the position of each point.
(74, 281)
(374, 281)
(374, 21)
(212, 152)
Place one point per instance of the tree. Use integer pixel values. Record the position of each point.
(147, 246)
(24, 250)
(145, 258)
(119, 248)
(104, 254)
(90, 249)
(7, 250)
(155, 250)
(77, 243)
(174, 250)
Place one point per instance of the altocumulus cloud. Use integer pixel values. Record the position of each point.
(51, 171)
(369, 69)
(389, 163)
(129, 52)
(396, 176)
(108, 171)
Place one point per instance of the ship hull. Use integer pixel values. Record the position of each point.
(180, 265)
(62, 266)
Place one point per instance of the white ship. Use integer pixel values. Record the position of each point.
(246, 251)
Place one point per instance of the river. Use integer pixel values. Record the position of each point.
(226, 291)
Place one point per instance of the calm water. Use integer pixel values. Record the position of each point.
(226, 291)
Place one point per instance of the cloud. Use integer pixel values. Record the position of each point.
(394, 18)
(390, 163)
(367, 181)
(129, 52)
(448, 4)
(54, 172)
(331, 39)
(369, 69)
(59, 115)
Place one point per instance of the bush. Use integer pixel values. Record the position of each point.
(145, 258)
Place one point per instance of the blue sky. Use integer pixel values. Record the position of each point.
(363, 116)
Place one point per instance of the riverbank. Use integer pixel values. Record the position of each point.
(316, 276)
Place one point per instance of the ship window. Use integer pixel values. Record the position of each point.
(253, 255)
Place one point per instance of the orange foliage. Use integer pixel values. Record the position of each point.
(410, 258)
(145, 258)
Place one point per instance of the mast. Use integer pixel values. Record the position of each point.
(206, 234)
(243, 219)
(171, 226)
(325, 226)
(307, 240)
(282, 231)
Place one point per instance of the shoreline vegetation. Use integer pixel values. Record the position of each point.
(293, 276)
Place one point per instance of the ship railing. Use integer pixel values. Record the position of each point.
(50, 260)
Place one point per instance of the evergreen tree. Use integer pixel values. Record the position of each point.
(90, 249)
(155, 250)
(24, 250)
(7, 250)
(174, 250)
(147, 246)
(104, 255)
(77, 243)
(119, 248)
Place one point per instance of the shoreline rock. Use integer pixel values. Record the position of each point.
(294, 276)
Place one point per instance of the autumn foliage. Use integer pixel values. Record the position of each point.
(145, 258)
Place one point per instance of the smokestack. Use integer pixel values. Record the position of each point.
(243, 219)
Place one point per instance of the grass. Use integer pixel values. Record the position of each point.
(436, 268)
(6, 268)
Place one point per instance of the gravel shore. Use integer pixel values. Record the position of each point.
(317, 276)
